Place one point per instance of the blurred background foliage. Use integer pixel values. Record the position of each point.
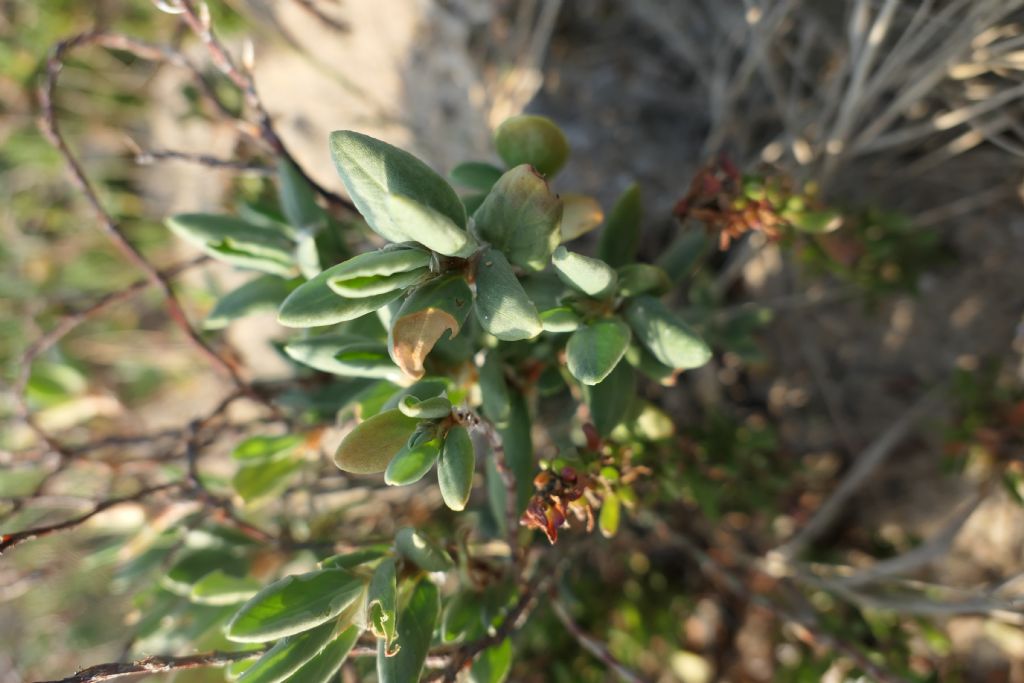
(823, 341)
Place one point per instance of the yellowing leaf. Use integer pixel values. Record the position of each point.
(435, 309)
(580, 215)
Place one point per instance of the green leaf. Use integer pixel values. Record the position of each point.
(237, 242)
(521, 217)
(641, 359)
(219, 588)
(325, 665)
(590, 276)
(462, 613)
(608, 520)
(412, 462)
(620, 238)
(376, 272)
(518, 445)
(314, 304)
(642, 278)
(353, 559)
(493, 664)
(595, 349)
(422, 551)
(560, 319)
(262, 295)
(430, 227)
(416, 629)
(455, 469)
(667, 338)
(381, 603)
(346, 356)
(580, 215)
(298, 201)
(476, 175)
(431, 311)
(609, 400)
(194, 565)
(425, 409)
(290, 654)
(371, 445)
(373, 170)
(294, 604)
(501, 304)
(815, 222)
(534, 140)
(307, 255)
(261, 479)
(681, 256)
(266, 447)
(494, 389)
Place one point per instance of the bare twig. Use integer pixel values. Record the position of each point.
(592, 645)
(863, 467)
(243, 80)
(145, 157)
(157, 664)
(805, 620)
(51, 128)
(508, 480)
(514, 620)
(8, 541)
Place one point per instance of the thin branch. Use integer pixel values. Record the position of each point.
(51, 129)
(8, 541)
(157, 664)
(146, 157)
(806, 620)
(508, 480)
(244, 81)
(863, 467)
(593, 645)
(919, 556)
(329, 21)
(513, 621)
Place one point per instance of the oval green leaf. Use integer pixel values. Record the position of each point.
(371, 445)
(534, 140)
(591, 276)
(262, 295)
(425, 409)
(381, 605)
(415, 631)
(289, 655)
(642, 278)
(235, 241)
(595, 349)
(475, 175)
(422, 550)
(667, 338)
(608, 520)
(412, 462)
(621, 235)
(373, 170)
(520, 216)
(345, 355)
(314, 304)
(501, 303)
(430, 227)
(325, 665)
(294, 604)
(609, 401)
(455, 469)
